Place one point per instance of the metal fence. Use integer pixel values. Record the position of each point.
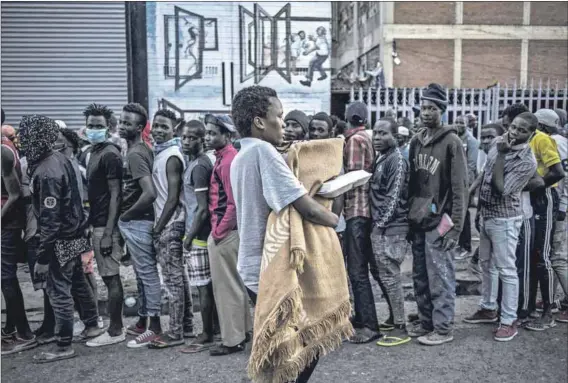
(487, 104)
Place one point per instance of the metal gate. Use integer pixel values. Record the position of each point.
(487, 104)
(58, 57)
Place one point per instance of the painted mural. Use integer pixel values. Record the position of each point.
(201, 54)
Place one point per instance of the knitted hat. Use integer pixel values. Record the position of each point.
(437, 95)
(300, 117)
(322, 116)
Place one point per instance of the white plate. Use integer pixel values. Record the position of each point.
(344, 183)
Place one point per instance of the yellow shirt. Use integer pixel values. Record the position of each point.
(545, 151)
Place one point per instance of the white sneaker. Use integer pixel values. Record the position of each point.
(107, 340)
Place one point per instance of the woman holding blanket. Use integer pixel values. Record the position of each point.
(282, 259)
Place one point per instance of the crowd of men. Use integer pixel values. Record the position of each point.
(195, 197)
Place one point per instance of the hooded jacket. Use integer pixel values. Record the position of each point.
(56, 202)
(438, 180)
(389, 193)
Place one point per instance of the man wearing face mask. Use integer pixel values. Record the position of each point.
(104, 175)
(297, 124)
(437, 205)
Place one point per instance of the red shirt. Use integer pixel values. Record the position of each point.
(221, 202)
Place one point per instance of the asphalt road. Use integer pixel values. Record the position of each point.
(473, 357)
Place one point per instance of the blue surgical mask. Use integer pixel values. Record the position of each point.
(96, 136)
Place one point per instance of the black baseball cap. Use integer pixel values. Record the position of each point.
(357, 113)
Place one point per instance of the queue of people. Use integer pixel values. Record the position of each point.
(196, 201)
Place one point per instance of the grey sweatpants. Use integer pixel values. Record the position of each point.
(434, 278)
(389, 254)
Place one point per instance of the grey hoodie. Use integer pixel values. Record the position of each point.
(438, 180)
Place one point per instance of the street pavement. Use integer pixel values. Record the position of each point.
(473, 356)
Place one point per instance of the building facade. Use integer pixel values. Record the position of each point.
(457, 44)
(199, 55)
(58, 57)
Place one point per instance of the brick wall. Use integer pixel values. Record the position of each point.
(423, 62)
(549, 13)
(493, 13)
(485, 62)
(547, 59)
(428, 12)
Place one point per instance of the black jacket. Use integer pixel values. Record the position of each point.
(438, 180)
(389, 193)
(56, 203)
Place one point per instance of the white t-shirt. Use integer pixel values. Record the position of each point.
(322, 46)
(261, 182)
(296, 48)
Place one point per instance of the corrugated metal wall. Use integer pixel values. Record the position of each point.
(59, 57)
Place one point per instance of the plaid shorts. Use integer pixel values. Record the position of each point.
(197, 263)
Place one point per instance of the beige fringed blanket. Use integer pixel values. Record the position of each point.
(303, 307)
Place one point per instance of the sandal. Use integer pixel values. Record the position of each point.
(48, 357)
(201, 343)
(165, 341)
(364, 335)
(396, 338)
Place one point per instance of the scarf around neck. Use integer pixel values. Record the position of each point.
(176, 141)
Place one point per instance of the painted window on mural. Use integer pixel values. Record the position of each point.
(187, 36)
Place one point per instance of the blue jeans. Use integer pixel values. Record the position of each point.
(138, 238)
(434, 277)
(497, 256)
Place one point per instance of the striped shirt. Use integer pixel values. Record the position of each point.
(520, 165)
(358, 155)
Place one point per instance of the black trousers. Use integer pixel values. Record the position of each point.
(465, 236)
(359, 254)
(545, 206)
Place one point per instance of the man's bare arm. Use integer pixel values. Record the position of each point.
(11, 181)
(312, 211)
